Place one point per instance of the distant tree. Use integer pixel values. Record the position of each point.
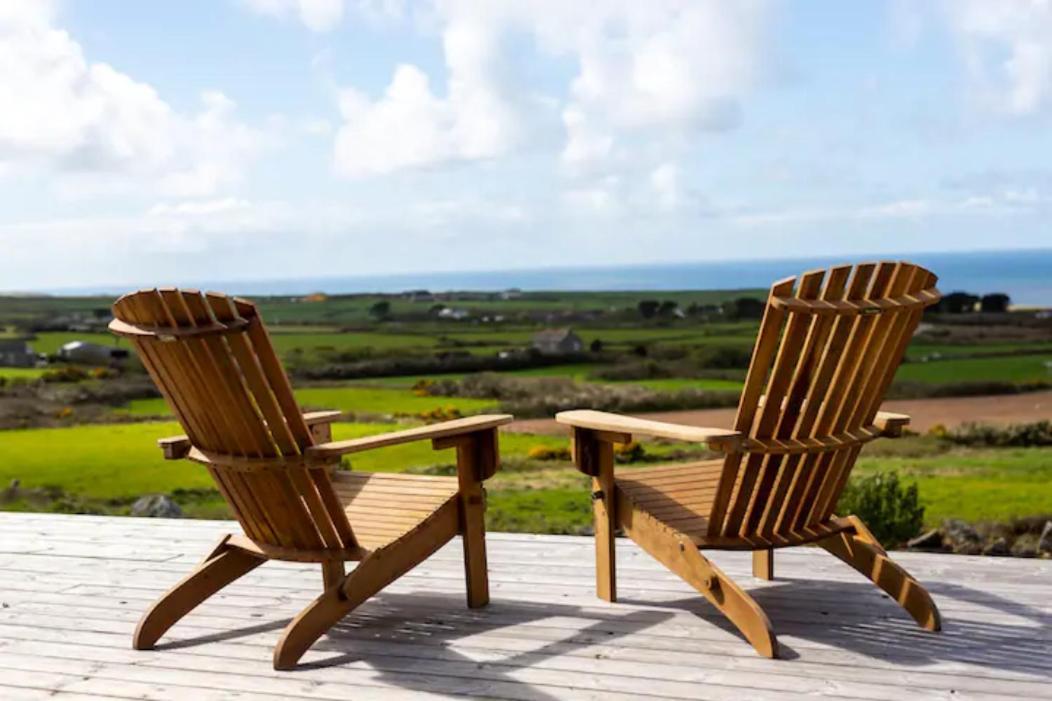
(743, 308)
(995, 302)
(668, 308)
(957, 303)
(435, 309)
(380, 310)
(640, 350)
(596, 346)
(648, 308)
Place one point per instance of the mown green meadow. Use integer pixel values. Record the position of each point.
(107, 466)
(350, 399)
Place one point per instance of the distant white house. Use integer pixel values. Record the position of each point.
(557, 342)
(91, 353)
(17, 353)
(454, 314)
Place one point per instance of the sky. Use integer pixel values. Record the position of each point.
(167, 143)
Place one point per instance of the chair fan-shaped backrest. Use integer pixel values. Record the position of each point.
(212, 359)
(827, 349)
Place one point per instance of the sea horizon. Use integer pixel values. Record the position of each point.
(1024, 274)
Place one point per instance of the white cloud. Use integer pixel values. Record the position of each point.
(1002, 203)
(653, 70)
(1007, 46)
(665, 181)
(83, 119)
(316, 15)
(410, 126)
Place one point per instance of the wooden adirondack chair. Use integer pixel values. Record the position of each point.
(213, 361)
(827, 349)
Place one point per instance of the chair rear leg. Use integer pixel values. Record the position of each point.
(871, 561)
(763, 564)
(223, 566)
(376, 571)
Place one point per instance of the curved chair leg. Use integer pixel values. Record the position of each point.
(871, 561)
(678, 553)
(376, 571)
(222, 567)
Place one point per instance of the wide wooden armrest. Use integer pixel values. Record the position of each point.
(178, 447)
(174, 447)
(321, 417)
(718, 438)
(446, 429)
(890, 423)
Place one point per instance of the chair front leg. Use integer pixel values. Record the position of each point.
(376, 571)
(477, 458)
(224, 565)
(677, 552)
(595, 456)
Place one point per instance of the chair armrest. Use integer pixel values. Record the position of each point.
(174, 447)
(891, 424)
(178, 447)
(717, 438)
(445, 429)
(321, 417)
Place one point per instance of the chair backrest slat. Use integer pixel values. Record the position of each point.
(213, 361)
(796, 422)
(826, 351)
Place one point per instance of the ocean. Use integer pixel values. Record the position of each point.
(1026, 276)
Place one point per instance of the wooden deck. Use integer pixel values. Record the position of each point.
(73, 587)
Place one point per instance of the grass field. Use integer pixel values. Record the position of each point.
(122, 460)
(1013, 368)
(976, 485)
(115, 463)
(21, 373)
(352, 400)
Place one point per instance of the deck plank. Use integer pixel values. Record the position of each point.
(72, 589)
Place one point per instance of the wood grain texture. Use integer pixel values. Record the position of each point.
(720, 439)
(75, 586)
(826, 349)
(213, 361)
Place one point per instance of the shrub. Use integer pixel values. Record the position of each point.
(68, 373)
(723, 357)
(890, 509)
(629, 452)
(440, 413)
(1038, 433)
(545, 452)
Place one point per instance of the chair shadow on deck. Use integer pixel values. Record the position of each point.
(407, 623)
(856, 618)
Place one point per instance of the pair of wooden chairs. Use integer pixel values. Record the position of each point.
(828, 347)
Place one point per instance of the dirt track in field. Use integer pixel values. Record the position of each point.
(925, 413)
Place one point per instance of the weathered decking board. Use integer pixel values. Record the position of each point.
(73, 587)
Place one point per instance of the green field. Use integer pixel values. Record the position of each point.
(1011, 368)
(116, 463)
(122, 460)
(21, 373)
(351, 400)
(976, 485)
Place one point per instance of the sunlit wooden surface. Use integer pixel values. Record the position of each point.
(73, 587)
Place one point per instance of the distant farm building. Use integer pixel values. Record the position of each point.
(91, 353)
(420, 296)
(557, 342)
(454, 314)
(16, 353)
